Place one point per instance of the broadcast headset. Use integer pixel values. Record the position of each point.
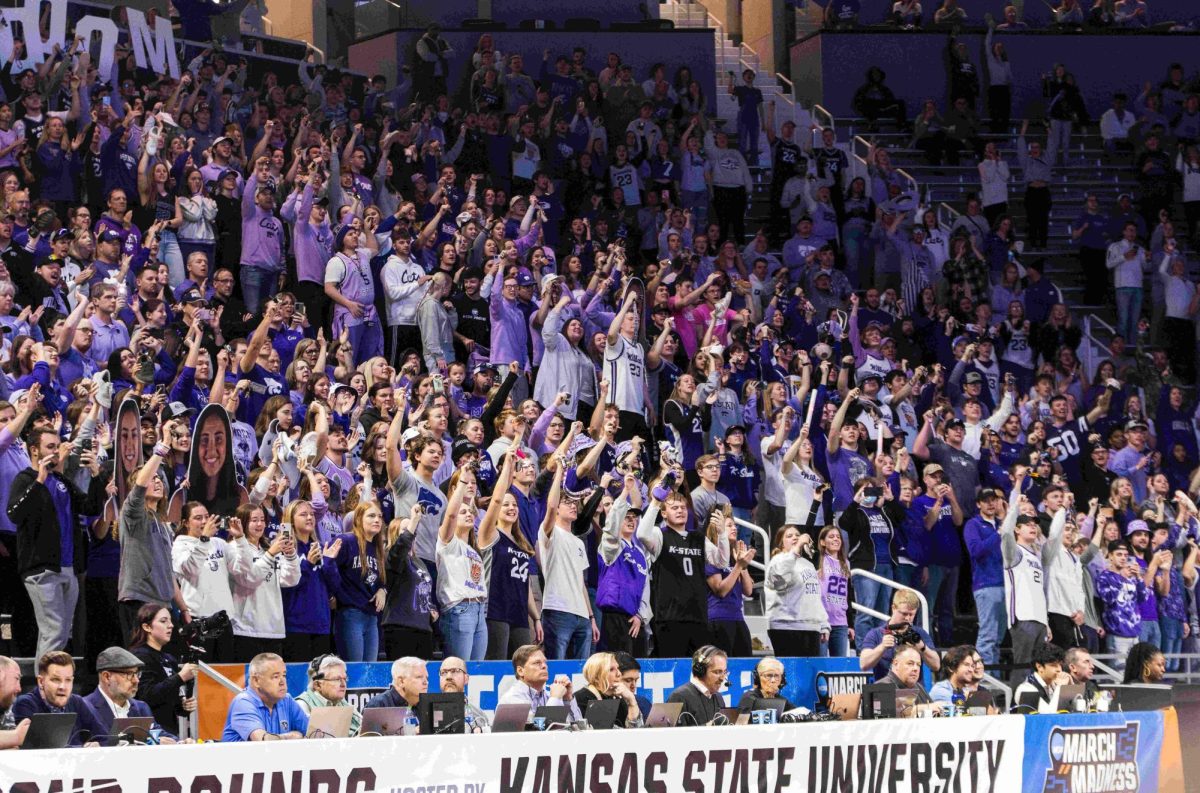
(314, 668)
(702, 658)
(755, 681)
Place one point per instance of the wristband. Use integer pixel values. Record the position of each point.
(161, 450)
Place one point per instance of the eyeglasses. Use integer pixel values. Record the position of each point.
(452, 671)
(134, 673)
(333, 680)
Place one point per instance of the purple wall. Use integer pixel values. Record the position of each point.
(691, 47)
(1103, 64)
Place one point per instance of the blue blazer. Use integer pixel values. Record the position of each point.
(105, 716)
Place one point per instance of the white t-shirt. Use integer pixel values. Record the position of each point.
(460, 573)
(773, 490)
(799, 486)
(564, 560)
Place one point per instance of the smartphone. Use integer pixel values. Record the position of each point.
(301, 310)
(285, 531)
(873, 492)
(106, 100)
(1107, 512)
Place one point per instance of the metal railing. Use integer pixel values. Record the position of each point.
(1094, 350)
(759, 586)
(193, 721)
(946, 215)
(996, 684)
(873, 576)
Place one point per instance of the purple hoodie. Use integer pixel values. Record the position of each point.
(510, 333)
(262, 233)
(313, 244)
(13, 460)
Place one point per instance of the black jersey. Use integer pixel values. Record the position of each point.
(1069, 440)
(679, 592)
(787, 160)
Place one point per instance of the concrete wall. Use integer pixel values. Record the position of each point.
(1103, 64)
(763, 31)
(640, 49)
(451, 13)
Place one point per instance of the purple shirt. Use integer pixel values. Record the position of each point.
(510, 333)
(620, 584)
(845, 468)
(729, 607)
(835, 589)
(1122, 602)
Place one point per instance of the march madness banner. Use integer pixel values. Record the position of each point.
(1103, 753)
(976, 755)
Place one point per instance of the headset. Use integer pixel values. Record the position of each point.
(702, 658)
(314, 668)
(754, 679)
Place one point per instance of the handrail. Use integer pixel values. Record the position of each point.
(759, 586)
(873, 576)
(913, 186)
(946, 215)
(1105, 668)
(1000, 685)
(1095, 348)
(819, 113)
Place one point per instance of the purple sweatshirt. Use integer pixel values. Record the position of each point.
(835, 589)
(313, 244)
(1122, 602)
(729, 607)
(510, 333)
(262, 233)
(13, 460)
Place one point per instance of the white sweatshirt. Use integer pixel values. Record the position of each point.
(258, 579)
(403, 290)
(794, 595)
(203, 572)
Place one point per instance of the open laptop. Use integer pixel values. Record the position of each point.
(49, 730)
(664, 714)
(845, 706)
(131, 729)
(980, 702)
(383, 721)
(555, 716)
(511, 717)
(730, 714)
(602, 713)
(330, 722)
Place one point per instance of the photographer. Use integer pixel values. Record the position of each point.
(166, 685)
(879, 646)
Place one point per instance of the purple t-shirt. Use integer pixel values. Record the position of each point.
(1149, 607)
(845, 468)
(1122, 602)
(835, 589)
(728, 607)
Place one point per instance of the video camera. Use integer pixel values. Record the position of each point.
(201, 629)
(903, 633)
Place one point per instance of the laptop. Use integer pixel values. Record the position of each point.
(49, 730)
(664, 714)
(1029, 702)
(383, 721)
(776, 704)
(442, 713)
(330, 722)
(601, 714)
(1139, 696)
(511, 717)
(845, 706)
(980, 702)
(1067, 695)
(730, 716)
(553, 716)
(132, 729)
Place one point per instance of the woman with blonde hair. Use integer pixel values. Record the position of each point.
(306, 606)
(461, 589)
(603, 677)
(360, 588)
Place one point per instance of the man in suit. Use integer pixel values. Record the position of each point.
(55, 694)
(120, 672)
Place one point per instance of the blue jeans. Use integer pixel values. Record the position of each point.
(1172, 639)
(1129, 310)
(464, 630)
(748, 129)
(1150, 632)
(873, 595)
(943, 581)
(170, 252)
(993, 617)
(566, 635)
(357, 635)
(744, 534)
(838, 645)
(257, 284)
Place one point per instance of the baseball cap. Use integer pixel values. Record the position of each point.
(228, 172)
(410, 434)
(192, 295)
(223, 139)
(734, 428)
(973, 377)
(864, 375)
(176, 410)
(934, 468)
(955, 424)
(342, 387)
(60, 234)
(524, 278)
(108, 235)
(1135, 424)
(987, 493)
(53, 260)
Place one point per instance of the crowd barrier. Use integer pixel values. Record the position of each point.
(490, 679)
(987, 754)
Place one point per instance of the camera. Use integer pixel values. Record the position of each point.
(201, 629)
(903, 633)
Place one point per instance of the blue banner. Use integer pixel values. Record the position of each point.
(1093, 752)
(490, 679)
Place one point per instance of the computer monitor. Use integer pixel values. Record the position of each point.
(441, 713)
(879, 701)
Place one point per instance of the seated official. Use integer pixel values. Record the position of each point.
(1079, 665)
(1046, 676)
(701, 696)
(454, 678)
(529, 665)
(963, 670)
(631, 676)
(264, 710)
(906, 672)
(603, 678)
(327, 689)
(120, 674)
(879, 643)
(12, 735)
(768, 685)
(53, 694)
(1145, 664)
(410, 679)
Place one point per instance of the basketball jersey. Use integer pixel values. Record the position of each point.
(1018, 350)
(626, 178)
(1068, 440)
(1024, 590)
(788, 159)
(678, 591)
(625, 369)
(507, 569)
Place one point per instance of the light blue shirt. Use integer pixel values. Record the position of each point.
(248, 713)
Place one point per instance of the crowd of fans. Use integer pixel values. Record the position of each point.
(464, 369)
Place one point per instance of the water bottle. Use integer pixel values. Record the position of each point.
(960, 703)
(470, 720)
(412, 726)
(822, 689)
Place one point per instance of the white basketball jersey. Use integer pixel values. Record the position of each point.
(625, 370)
(1024, 588)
